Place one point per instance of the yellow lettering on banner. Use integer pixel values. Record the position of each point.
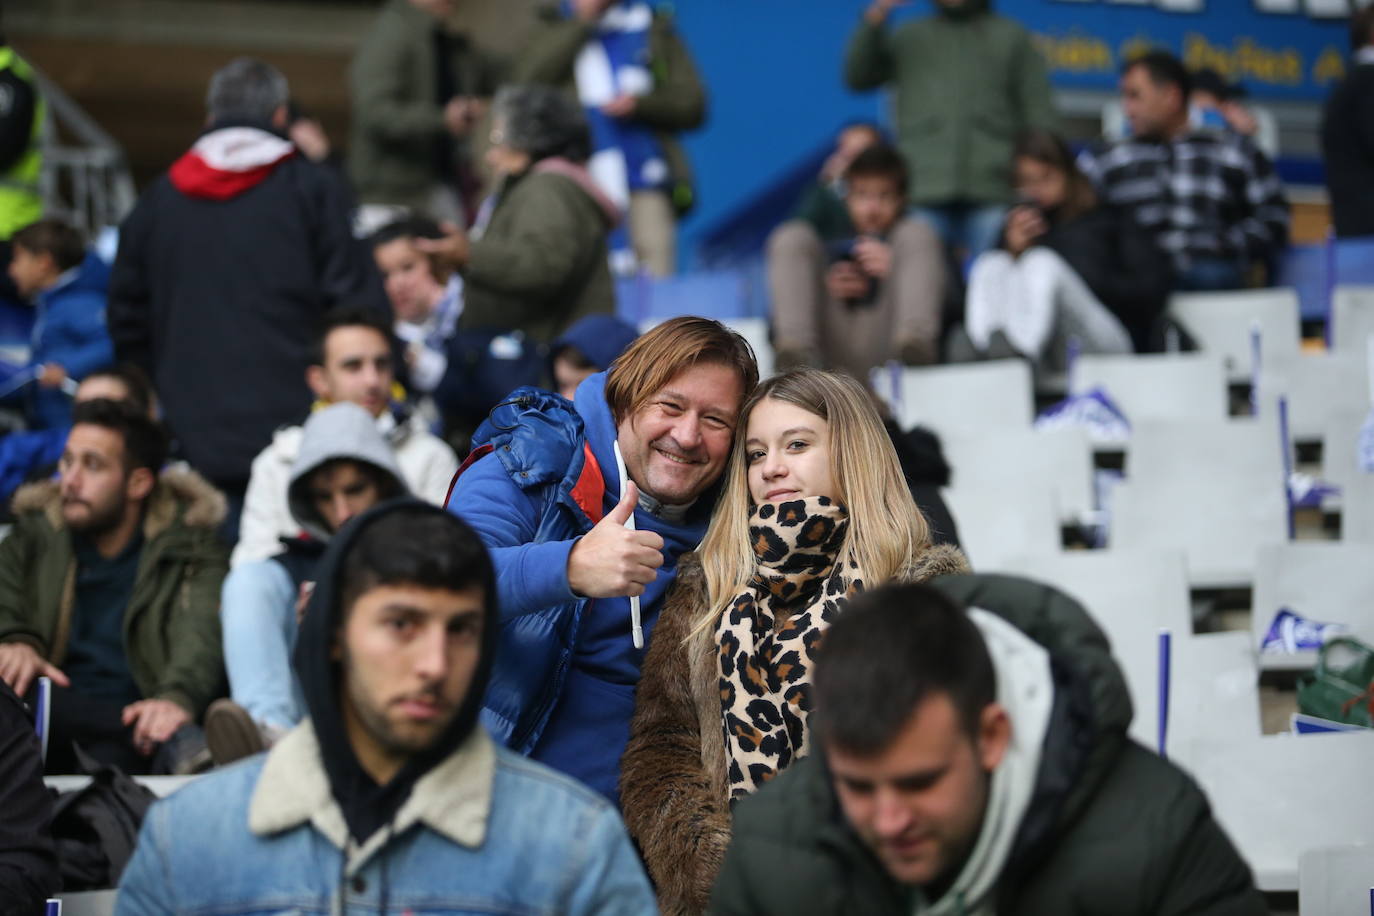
(1246, 60)
(1329, 68)
(1076, 52)
(1132, 48)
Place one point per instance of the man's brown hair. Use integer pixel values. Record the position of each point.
(670, 349)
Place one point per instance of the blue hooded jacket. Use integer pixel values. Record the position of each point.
(542, 473)
(70, 331)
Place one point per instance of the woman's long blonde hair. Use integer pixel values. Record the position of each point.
(886, 530)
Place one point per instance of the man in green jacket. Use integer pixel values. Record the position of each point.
(109, 585)
(418, 91)
(635, 78)
(965, 83)
(973, 759)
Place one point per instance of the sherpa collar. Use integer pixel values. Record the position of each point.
(453, 799)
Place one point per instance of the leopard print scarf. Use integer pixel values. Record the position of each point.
(768, 635)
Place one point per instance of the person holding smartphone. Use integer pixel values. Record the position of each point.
(1068, 266)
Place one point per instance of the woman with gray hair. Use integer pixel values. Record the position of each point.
(536, 259)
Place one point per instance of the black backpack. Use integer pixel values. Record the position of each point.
(96, 827)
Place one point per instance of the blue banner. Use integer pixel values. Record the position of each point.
(1277, 49)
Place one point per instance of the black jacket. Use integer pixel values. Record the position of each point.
(1348, 149)
(1111, 829)
(28, 858)
(1119, 261)
(221, 301)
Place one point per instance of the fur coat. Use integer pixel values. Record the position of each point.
(673, 782)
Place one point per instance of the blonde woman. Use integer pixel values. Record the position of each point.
(813, 510)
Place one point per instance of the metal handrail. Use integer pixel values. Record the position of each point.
(87, 181)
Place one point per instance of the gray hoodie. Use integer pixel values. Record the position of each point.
(339, 431)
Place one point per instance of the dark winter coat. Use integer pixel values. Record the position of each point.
(171, 626)
(1112, 829)
(1120, 262)
(28, 859)
(221, 301)
(1348, 150)
(674, 786)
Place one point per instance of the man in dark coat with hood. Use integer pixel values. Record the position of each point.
(390, 797)
(226, 268)
(974, 760)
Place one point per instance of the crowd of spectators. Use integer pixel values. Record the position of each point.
(369, 485)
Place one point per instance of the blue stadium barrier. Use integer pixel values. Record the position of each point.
(1314, 270)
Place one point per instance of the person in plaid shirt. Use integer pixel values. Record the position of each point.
(1210, 196)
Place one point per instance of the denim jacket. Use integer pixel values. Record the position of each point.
(485, 832)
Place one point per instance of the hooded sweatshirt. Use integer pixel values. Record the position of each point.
(341, 431)
(368, 807)
(600, 338)
(226, 268)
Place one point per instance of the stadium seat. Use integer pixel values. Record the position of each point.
(1340, 464)
(958, 400)
(1352, 319)
(1336, 881)
(1133, 594)
(1280, 796)
(1321, 580)
(1357, 509)
(1172, 386)
(1057, 459)
(1221, 323)
(1002, 522)
(1215, 489)
(88, 903)
(1317, 386)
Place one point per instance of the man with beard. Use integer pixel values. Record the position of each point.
(109, 585)
(550, 487)
(391, 797)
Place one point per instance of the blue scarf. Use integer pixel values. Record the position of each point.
(626, 156)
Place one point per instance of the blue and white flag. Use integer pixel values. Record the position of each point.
(626, 155)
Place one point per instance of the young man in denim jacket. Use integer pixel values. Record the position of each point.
(391, 797)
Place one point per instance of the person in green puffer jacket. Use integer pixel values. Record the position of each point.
(966, 82)
(109, 585)
(973, 759)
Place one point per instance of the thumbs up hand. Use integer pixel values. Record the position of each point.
(611, 561)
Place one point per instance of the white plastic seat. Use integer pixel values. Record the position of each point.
(1057, 459)
(1169, 386)
(1280, 796)
(957, 400)
(1221, 323)
(1340, 462)
(996, 523)
(1133, 594)
(1328, 581)
(1336, 882)
(1214, 489)
(1352, 319)
(755, 330)
(1357, 510)
(1316, 387)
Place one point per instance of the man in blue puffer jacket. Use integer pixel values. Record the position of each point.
(546, 492)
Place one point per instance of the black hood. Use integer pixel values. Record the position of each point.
(367, 806)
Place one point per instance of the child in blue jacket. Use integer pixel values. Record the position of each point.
(51, 267)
